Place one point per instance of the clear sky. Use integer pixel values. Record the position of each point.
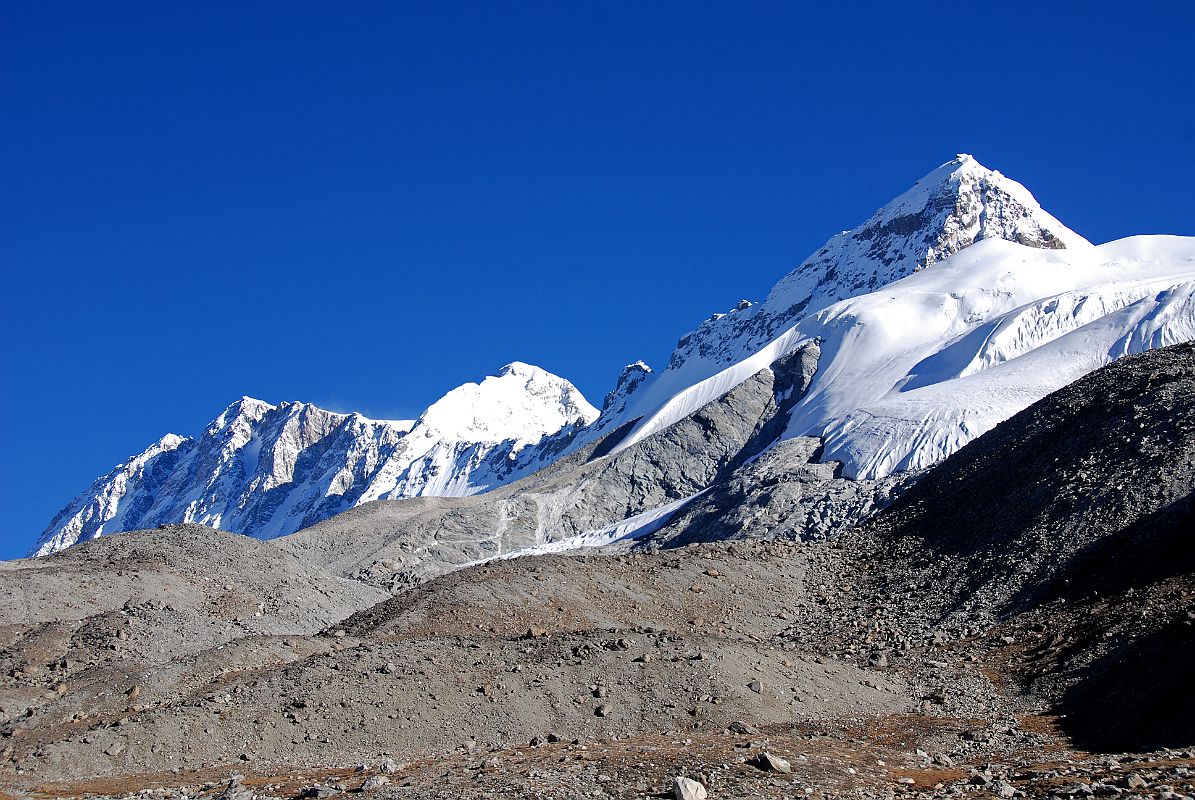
(363, 205)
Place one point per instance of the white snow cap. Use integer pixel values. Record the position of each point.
(522, 402)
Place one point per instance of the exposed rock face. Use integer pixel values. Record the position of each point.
(785, 493)
(633, 376)
(724, 453)
(250, 462)
(780, 489)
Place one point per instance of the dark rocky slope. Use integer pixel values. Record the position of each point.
(1074, 515)
(1087, 490)
(1072, 519)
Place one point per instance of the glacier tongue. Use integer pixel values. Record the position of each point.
(270, 470)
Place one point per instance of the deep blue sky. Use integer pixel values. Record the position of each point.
(363, 205)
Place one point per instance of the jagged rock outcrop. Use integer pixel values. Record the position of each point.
(785, 493)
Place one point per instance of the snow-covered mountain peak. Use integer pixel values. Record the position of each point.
(522, 402)
(955, 205)
(247, 410)
(521, 368)
(953, 169)
(170, 441)
(630, 380)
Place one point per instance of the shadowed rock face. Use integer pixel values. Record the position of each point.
(784, 493)
(780, 489)
(1136, 696)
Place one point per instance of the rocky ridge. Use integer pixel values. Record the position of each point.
(395, 543)
(270, 470)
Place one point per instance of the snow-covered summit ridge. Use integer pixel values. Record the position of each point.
(482, 435)
(954, 206)
(269, 470)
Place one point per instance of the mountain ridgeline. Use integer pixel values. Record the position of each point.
(270, 470)
(949, 310)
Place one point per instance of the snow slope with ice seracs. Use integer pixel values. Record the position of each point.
(993, 333)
